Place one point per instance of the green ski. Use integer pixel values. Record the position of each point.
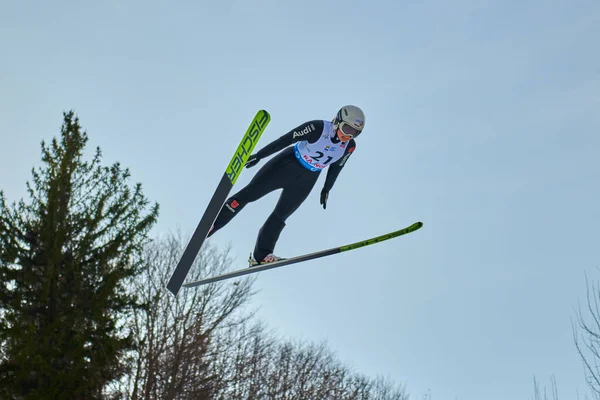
(306, 257)
(238, 161)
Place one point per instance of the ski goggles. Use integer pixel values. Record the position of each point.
(348, 130)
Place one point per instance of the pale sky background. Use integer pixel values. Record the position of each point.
(482, 121)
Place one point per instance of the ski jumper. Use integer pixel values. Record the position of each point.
(295, 170)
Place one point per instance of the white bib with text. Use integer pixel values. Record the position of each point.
(316, 156)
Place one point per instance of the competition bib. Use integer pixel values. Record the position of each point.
(316, 156)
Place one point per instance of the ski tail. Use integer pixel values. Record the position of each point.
(230, 176)
(307, 257)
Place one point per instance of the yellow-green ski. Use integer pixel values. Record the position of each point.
(306, 257)
(232, 173)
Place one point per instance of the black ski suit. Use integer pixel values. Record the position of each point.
(283, 171)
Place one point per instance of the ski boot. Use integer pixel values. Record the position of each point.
(268, 259)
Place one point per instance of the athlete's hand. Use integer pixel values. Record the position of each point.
(324, 196)
(252, 161)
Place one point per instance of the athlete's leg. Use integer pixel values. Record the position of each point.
(292, 196)
(272, 176)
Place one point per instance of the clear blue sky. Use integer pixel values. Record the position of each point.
(482, 122)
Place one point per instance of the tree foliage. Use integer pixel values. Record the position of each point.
(205, 344)
(65, 257)
(85, 315)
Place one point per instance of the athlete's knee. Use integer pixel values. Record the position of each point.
(229, 210)
(275, 219)
(235, 204)
(283, 213)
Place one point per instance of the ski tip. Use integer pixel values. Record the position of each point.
(416, 225)
(265, 112)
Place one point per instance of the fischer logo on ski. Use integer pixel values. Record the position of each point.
(245, 148)
(231, 174)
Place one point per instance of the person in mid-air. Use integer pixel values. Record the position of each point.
(318, 144)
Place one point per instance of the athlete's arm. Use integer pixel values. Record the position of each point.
(334, 169)
(309, 131)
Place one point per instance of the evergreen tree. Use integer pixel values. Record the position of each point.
(66, 257)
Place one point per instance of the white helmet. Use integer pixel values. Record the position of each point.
(350, 120)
